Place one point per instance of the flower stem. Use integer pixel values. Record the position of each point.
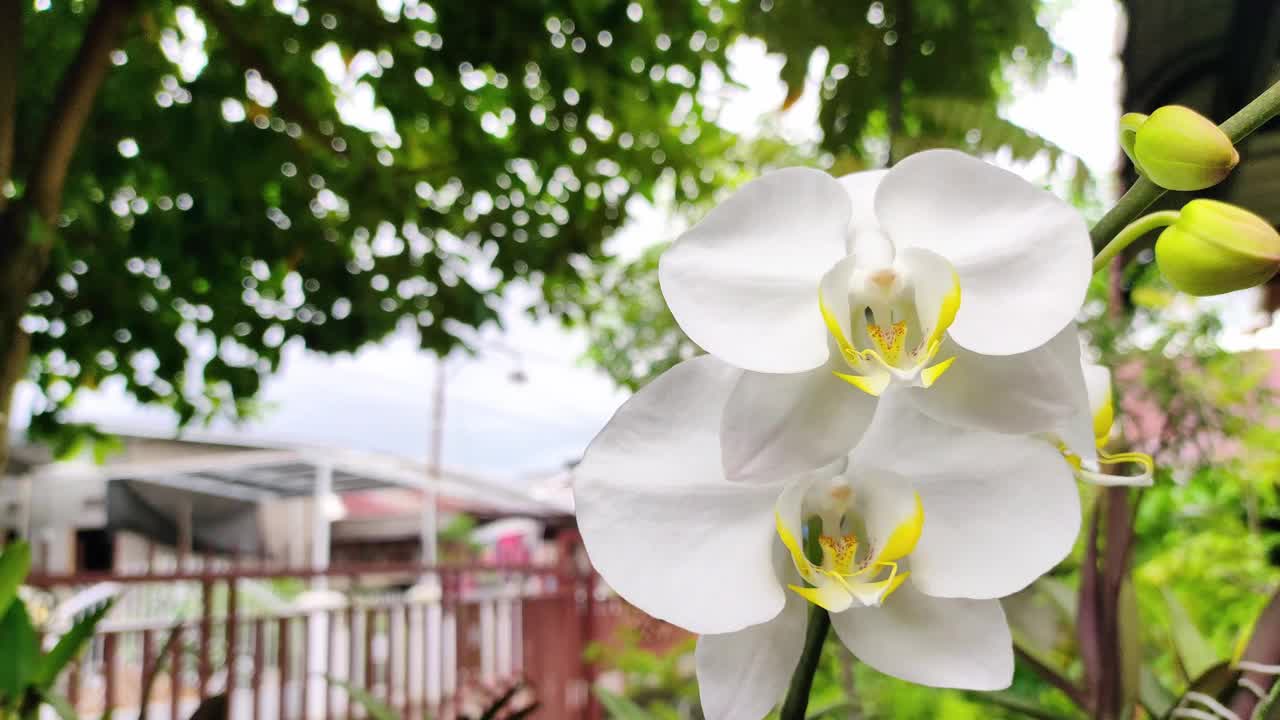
(797, 702)
(1143, 193)
(1131, 232)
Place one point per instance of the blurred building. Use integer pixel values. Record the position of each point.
(159, 501)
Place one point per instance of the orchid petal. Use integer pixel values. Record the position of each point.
(743, 675)
(932, 641)
(660, 522)
(936, 289)
(1030, 392)
(1023, 256)
(742, 283)
(777, 425)
(861, 188)
(1101, 408)
(892, 511)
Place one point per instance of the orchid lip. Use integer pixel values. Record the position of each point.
(849, 571)
(1103, 420)
(896, 319)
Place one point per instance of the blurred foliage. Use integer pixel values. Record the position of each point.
(661, 686)
(658, 685)
(255, 173)
(29, 673)
(939, 66)
(260, 172)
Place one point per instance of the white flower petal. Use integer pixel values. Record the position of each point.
(861, 187)
(902, 440)
(836, 310)
(1023, 255)
(936, 289)
(1031, 392)
(660, 522)
(1079, 432)
(996, 520)
(1097, 380)
(932, 641)
(999, 510)
(890, 511)
(743, 283)
(777, 425)
(743, 675)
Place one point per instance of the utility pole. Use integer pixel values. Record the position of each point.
(435, 449)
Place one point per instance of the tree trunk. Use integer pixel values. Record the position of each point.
(27, 225)
(17, 278)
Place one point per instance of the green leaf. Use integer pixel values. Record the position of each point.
(1063, 595)
(20, 651)
(60, 705)
(1130, 645)
(1213, 682)
(1154, 697)
(1019, 705)
(1269, 708)
(372, 705)
(830, 709)
(15, 561)
(618, 707)
(67, 648)
(1194, 653)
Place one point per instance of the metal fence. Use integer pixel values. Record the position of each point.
(428, 642)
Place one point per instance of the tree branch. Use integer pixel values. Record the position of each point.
(73, 104)
(10, 17)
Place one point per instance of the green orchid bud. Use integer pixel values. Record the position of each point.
(1178, 148)
(1213, 248)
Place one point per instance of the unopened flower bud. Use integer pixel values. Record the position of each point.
(1214, 248)
(1178, 148)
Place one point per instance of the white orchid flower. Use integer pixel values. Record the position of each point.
(1084, 456)
(943, 264)
(920, 532)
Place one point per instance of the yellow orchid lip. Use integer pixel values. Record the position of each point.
(1103, 419)
(842, 576)
(887, 357)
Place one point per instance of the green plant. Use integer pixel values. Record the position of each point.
(27, 674)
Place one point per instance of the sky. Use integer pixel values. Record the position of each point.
(380, 398)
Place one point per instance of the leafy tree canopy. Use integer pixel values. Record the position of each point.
(250, 172)
(187, 187)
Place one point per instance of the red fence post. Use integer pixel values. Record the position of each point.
(206, 629)
(306, 665)
(259, 665)
(109, 667)
(175, 671)
(231, 630)
(590, 709)
(282, 661)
